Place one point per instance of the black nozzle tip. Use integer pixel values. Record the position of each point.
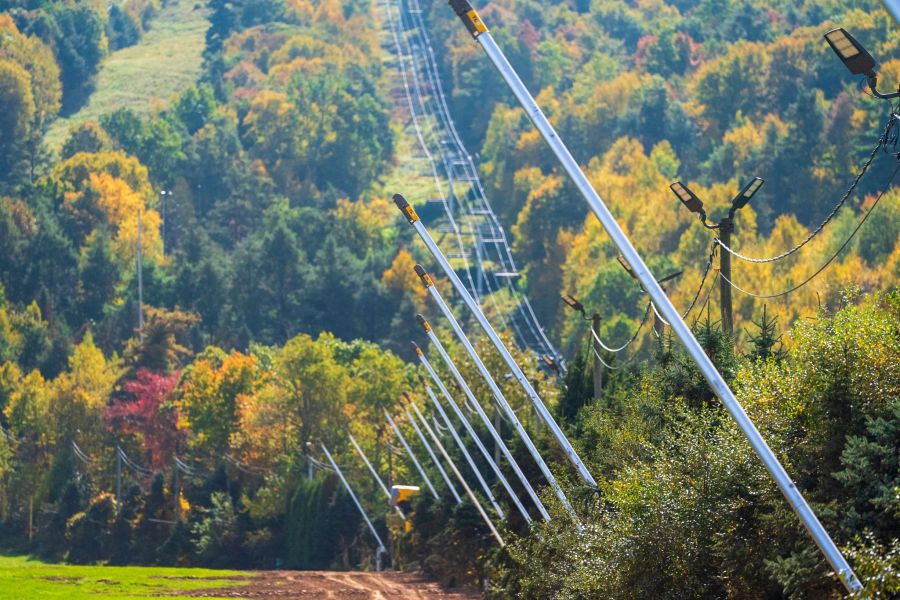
(421, 320)
(420, 271)
(414, 346)
(400, 201)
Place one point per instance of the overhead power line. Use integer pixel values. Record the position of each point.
(889, 136)
(830, 260)
(630, 341)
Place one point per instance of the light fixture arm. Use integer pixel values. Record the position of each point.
(872, 80)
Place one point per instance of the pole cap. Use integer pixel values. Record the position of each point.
(425, 325)
(424, 276)
(406, 208)
(416, 349)
(469, 17)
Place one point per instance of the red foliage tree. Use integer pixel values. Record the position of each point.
(146, 416)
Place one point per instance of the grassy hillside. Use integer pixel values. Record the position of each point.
(21, 577)
(167, 59)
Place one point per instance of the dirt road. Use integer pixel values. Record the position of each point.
(336, 585)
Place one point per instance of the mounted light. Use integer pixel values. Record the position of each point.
(573, 303)
(851, 52)
(856, 58)
(743, 197)
(687, 197)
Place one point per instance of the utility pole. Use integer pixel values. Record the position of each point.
(598, 366)
(726, 228)
(459, 477)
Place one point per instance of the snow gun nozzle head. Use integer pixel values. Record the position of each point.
(406, 208)
(423, 323)
(424, 276)
(469, 17)
(416, 348)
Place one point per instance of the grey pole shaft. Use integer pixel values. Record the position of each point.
(411, 454)
(501, 400)
(434, 458)
(459, 477)
(622, 243)
(468, 425)
(337, 469)
(462, 447)
(374, 473)
(517, 372)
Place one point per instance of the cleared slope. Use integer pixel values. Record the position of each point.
(164, 62)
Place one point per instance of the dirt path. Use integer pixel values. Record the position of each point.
(336, 585)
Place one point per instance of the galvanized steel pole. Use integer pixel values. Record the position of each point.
(470, 302)
(456, 472)
(411, 454)
(471, 432)
(381, 547)
(434, 458)
(487, 422)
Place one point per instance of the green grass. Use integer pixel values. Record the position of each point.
(166, 60)
(22, 577)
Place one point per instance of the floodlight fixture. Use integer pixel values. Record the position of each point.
(856, 58)
(688, 198)
(744, 196)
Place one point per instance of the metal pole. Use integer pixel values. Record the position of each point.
(462, 447)
(374, 473)
(598, 366)
(498, 395)
(726, 227)
(479, 31)
(411, 455)
(484, 418)
(570, 452)
(381, 548)
(459, 476)
(434, 458)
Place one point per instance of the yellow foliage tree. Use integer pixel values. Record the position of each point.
(401, 278)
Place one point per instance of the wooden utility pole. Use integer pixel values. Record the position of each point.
(598, 366)
(726, 227)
